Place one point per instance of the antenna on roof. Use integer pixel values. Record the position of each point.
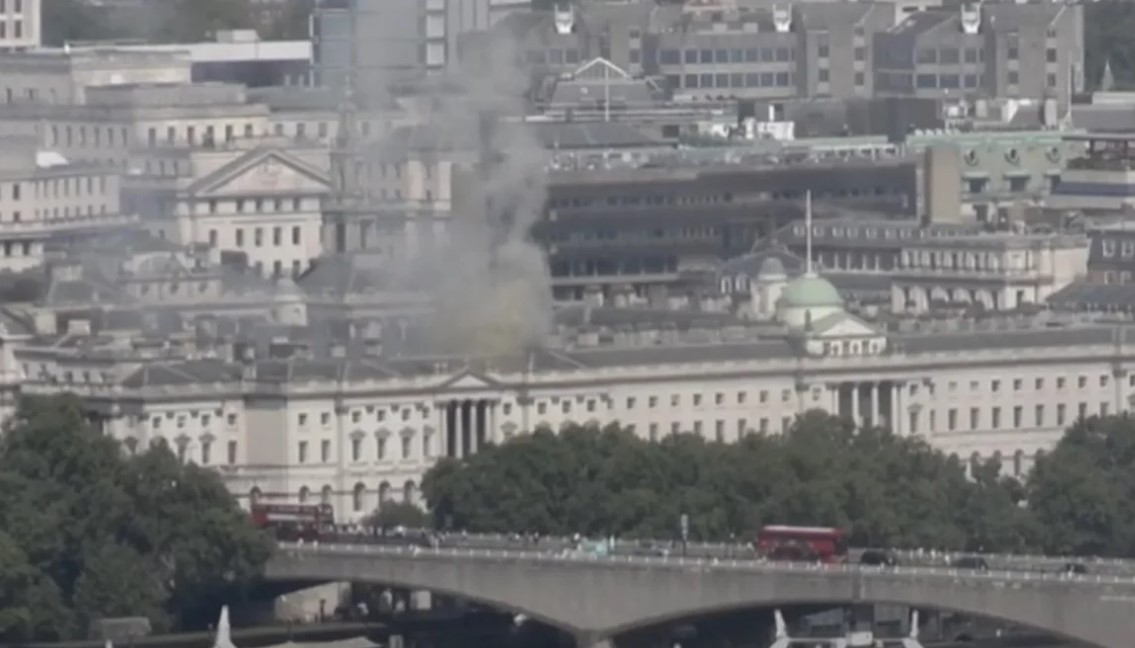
(808, 233)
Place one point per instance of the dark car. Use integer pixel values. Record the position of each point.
(878, 558)
(971, 562)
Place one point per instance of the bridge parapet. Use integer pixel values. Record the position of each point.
(601, 596)
(908, 557)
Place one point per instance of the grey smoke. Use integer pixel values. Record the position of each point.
(489, 280)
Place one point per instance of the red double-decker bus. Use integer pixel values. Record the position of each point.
(803, 544)
(293, 522)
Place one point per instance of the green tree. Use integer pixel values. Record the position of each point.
(398, 514)
(93, 534)
(1081, 493)
(887, 490)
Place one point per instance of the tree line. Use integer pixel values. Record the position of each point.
(886, 490)
(88, 532)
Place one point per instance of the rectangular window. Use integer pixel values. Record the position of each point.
(239, 237)
(325, 451)
(1040, 415)
(974, 418)
(301, 452)
(277, 236)
(232, 453)
(206, 452)
(356, 449)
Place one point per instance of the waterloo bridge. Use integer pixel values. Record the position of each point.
(597, 598)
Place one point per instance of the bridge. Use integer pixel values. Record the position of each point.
(744, 550)
(598, 598)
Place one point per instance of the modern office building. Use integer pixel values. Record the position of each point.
(402, 40)
(990, 50)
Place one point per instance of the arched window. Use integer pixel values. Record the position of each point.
(325, 495)
(410, 492)
(357, 497)
(1018, 461)
(383, 493)
(304, 494)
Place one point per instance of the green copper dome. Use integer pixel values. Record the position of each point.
(810, 292)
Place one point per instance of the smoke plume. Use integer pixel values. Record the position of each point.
(490, 282)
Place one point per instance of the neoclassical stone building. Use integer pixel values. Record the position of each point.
(356, 431)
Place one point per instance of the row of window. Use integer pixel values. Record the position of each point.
(405, 446)
(1038, 384)
(720, 428)
(17, 6)
(69, 138)
(1127, 247)
(182, 419)
(258, 237)
(181, 445)
(59, 187)
(737, 80)
(380, 414)
(952, 55)
(996, 420)
(697, 400)
(726, 55)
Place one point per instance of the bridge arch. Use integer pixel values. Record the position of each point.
(315, 572)
(601, 598)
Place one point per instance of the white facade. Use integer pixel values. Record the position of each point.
(63, 76)
(43, 196)
(997, 272)
(356, 432)
(300, 429)
(263, 201)
(19, 24)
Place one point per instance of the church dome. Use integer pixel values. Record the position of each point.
(810, 291)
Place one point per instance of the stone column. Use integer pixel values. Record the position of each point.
(480, 410)
(855, 404)
(898, 416)
(833, 399)
(442, 410)
(490, 417)
(875, 418)
(466, 409)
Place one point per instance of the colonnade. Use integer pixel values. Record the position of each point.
(466, 425)
(870, 403)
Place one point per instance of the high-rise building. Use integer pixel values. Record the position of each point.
(397, 41)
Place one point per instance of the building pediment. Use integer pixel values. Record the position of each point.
(470, 381)
(263, 172)
(842, 325)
